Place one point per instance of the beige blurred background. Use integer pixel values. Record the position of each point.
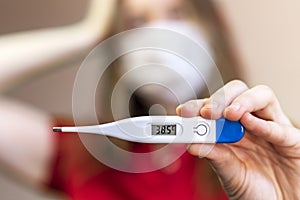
(264, 35)
(266, 38)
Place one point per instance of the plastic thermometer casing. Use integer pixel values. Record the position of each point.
(168, 129)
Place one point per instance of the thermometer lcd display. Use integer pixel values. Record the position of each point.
(164, 129)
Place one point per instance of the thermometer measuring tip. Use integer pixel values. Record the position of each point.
(57, 129)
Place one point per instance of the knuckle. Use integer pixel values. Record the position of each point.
(239, 83)
(266, 90)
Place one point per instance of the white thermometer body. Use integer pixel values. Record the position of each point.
(166, 129)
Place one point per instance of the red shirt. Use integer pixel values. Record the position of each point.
(82, 177)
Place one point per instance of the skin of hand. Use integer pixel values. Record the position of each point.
(265, 164)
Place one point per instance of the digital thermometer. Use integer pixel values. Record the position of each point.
(166, 129)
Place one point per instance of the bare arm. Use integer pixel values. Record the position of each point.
(26, 143)
(27, 52)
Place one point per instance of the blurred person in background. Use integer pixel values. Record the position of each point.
(97, 180)
(196, 21)
(63, 163)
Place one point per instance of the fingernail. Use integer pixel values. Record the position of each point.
(178, 109)
(212, 105)
(188, 146)
(235, 107)
(204, 150)
(191, 105)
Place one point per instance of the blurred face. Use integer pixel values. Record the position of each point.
(140, 12)
(177, 82)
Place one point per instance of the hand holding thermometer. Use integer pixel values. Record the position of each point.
(166, 129)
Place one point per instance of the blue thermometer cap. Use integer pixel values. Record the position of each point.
(229, 131)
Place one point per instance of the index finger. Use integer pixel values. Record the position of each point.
(259, 100)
